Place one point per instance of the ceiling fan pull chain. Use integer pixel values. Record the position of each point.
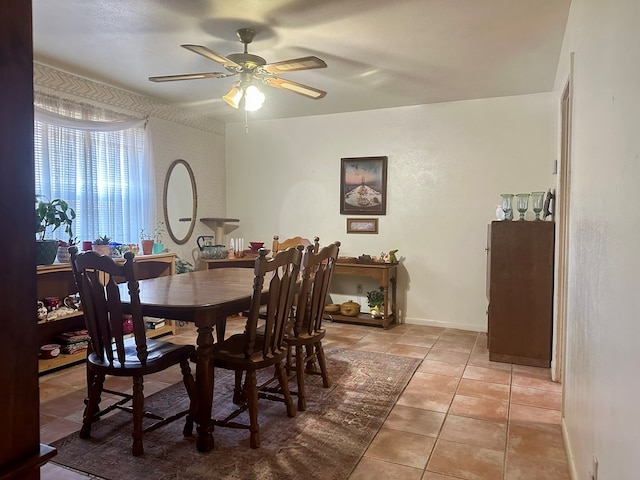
(246, 122)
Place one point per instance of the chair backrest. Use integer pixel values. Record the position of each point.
(284, 269)
(97, 278)
(317, 270)
(278, 245)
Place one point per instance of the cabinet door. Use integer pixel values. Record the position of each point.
(521, 292)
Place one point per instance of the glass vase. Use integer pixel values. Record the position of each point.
(537, 200)
(507, 199)
(522, 203)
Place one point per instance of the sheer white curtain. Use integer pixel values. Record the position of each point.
(99, 163)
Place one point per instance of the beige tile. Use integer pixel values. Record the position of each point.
(372, 469)
(419, 341)
(480, 389)
(536, 398)
(404, 448)
(453, 345)
(466, 461)
(441, 368)
(436, 476)
(532, 416)
(415, 420)
(482, 360)
(58, 429)
(408, 350)
(522, 379)
(434, 383)
(519, 467)
(535, 442)
(418, 397)
(51, 471)
(472, 431)
(544, 373)
(448, 356)
(487, 375)
(482, 408)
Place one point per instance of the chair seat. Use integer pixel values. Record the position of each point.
(160, 355)
(230, 354)
(304, 338)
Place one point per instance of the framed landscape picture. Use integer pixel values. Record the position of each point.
(362, 225)
(363, 186)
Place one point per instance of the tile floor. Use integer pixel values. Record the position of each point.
(460, 417)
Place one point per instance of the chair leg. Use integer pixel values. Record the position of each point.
(284, 387)
(238, 393)
(190, 386)
(95, 390)
(326, 382)
(311, 364)
(300, 356)
(138, 410)
(251, 394)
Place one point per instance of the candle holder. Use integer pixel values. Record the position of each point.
(522, 204)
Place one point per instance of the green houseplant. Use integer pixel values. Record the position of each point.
(101, 245)
(158, 240)
(146, 241)
(375, 299)
(51, 215)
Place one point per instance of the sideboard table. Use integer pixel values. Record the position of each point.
(386, 273)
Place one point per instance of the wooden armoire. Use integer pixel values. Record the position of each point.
(520, 291)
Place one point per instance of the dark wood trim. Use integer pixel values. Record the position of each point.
(21, 454)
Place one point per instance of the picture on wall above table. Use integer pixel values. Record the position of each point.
(362, 225)
(363, 186)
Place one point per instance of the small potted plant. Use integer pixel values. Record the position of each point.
(375, 298)
(158, 240)
(146, 241)
(101, 245)
(51, 215)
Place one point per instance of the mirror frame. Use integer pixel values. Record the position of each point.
(174, 164)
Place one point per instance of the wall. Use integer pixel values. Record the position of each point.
(600, 414)
(205, 154)
(448, 163)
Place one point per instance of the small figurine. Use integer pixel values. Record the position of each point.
(392, 256)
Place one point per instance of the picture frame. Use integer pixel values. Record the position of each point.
(363, 186)
(362, 225)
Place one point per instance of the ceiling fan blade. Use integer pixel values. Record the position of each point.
(211, 55)
(294, 87)
(303, 63)
(188, 76)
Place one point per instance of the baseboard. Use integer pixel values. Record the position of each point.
(567, 447)
(443, 324)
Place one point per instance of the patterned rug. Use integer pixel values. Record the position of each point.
(324, 442)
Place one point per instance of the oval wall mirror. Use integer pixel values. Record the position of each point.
(180, 201)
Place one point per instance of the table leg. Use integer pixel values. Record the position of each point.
(204, 384)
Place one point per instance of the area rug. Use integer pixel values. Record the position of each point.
(324, 442)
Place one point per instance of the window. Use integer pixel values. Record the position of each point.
(97, 163)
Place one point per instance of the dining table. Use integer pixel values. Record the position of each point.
(205, 298)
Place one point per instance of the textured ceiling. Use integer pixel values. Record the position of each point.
(378, 53)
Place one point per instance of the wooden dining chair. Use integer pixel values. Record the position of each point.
(246, 353)
(112, 353)
(304, 342)
(278, 245)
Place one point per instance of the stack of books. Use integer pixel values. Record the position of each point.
(154, 323)
(73, 342)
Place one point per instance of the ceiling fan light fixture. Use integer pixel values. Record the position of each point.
(234, 96)
(253, 98)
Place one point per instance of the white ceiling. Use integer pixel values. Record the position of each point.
(379, 53)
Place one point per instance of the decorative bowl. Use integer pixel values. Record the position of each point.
(350, 309)
(255, 246)
(332, 308)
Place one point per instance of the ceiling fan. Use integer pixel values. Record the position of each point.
(251, 69)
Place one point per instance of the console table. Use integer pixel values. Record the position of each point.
(386, 274)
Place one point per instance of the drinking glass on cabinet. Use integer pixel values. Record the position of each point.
(522, 200)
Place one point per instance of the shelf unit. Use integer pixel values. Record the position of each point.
(218, 226)
(386, 273)
(56, 280)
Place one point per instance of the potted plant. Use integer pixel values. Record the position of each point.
(101, 245)
(63, 249)
(51, 215)
(375, 298)
(158, 240)
(146, 241)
